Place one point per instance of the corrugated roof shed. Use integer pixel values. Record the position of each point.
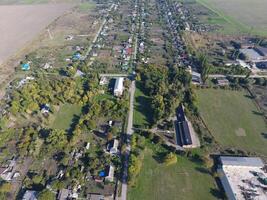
(241, 161)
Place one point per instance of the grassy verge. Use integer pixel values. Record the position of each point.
(233, 119)
(64, 117)
(142, 112)
(183, 180)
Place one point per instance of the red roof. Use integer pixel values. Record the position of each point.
(129, 50)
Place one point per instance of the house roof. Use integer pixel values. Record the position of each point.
(63, 194)
(29, 195)
(262, 51)
(251, 54)
(241, 161)
(95, 197)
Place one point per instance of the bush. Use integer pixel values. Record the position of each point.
(170, 159)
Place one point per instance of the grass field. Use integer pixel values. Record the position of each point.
(233, 119)
(65, 115)
(184, 180)
(142, 112)
(243, 16)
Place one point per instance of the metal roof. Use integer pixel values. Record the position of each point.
(241, 161)
(251, 54)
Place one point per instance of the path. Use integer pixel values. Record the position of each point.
(236, 76)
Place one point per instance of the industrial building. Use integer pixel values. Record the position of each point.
(118, 88)
(183, 136)
(243, 177)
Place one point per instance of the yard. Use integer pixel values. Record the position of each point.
(142, 112)
(65, 116)
(244, 16)
(233, 119)
(184, 180)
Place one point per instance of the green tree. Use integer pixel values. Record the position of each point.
(158, 107)
(46, 195)
(57, 138)
(204, 68)
(170, 159)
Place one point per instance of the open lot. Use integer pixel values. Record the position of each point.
(65, 116)
(233, 119)
(244, 15)
(184, 180)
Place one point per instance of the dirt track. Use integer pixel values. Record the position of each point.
(19, 24)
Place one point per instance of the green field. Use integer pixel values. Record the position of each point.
(87, 6)
(65, 115)
(142, 112)
(184, 180)
(238, 16)
(233, 119)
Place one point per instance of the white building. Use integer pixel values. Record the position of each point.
(112, 147)
(103, 81)
(118, 89)
(243, 178)
(110, 176)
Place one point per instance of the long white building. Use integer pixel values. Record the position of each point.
(243, 178)
(118, 88)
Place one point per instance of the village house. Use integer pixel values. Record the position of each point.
(110, 174)
(112, 146)
(29, 195)
(45, 109)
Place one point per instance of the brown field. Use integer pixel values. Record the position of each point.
(19, 24)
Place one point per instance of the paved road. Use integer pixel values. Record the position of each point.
(114, 75)
(129, 133)
(236, 76)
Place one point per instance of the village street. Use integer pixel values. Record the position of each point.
(128, 149)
